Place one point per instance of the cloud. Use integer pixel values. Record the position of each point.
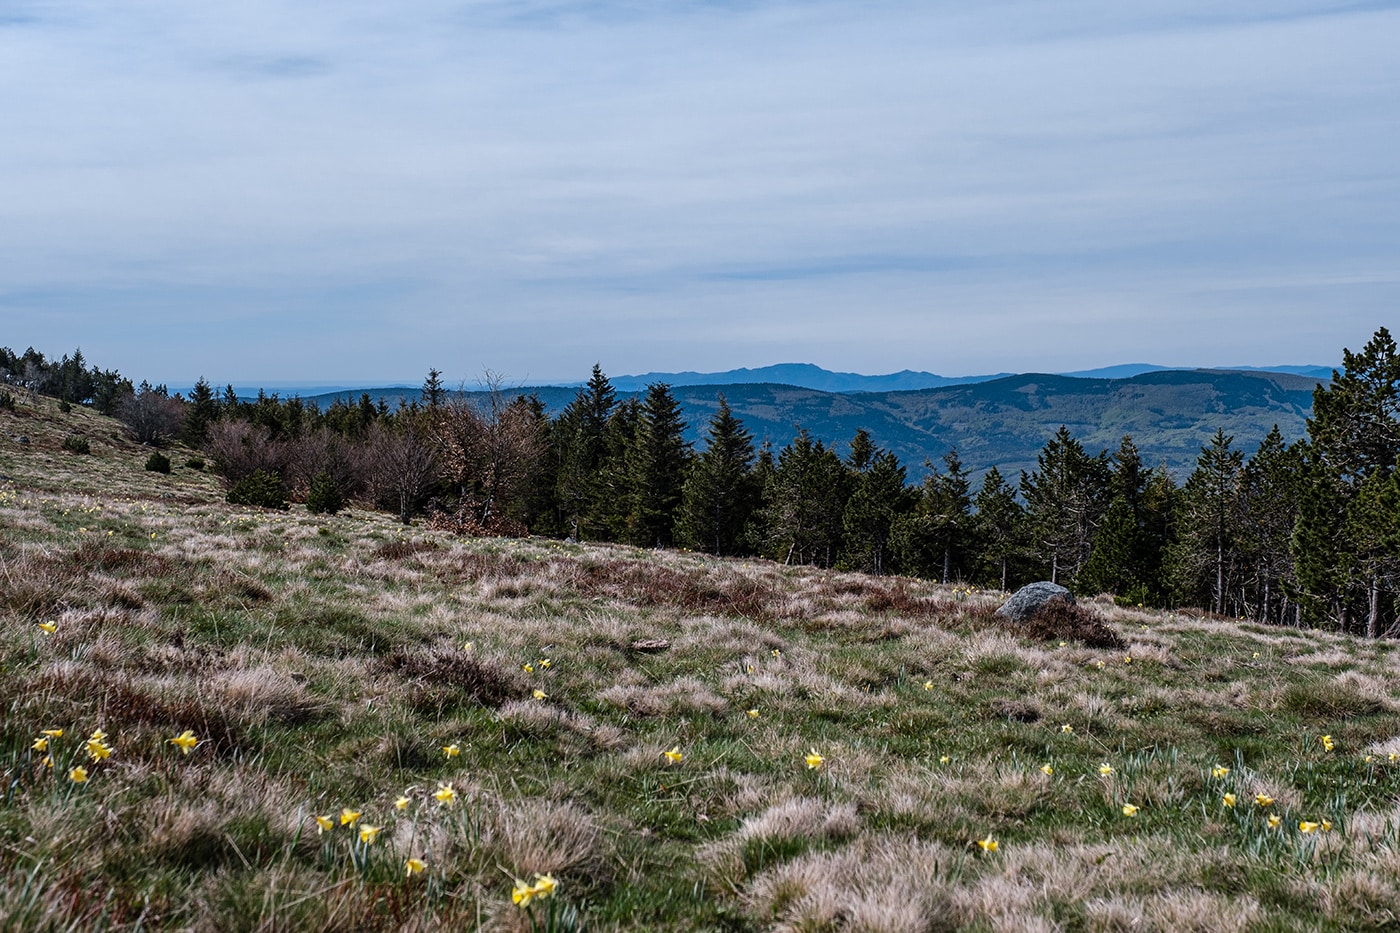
(542, 184)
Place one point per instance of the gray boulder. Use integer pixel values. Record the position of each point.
(1031, 597)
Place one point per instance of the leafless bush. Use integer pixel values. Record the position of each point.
(400, 466)
(152, 416)
(323, 452)
(240, 449)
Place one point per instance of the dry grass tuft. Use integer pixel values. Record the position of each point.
(442, 677)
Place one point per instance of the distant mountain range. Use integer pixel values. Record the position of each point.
(1000, 421)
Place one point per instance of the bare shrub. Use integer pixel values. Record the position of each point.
(241, 449)
(322, 452)
(151, 415)
(487, 449)
(400, 464)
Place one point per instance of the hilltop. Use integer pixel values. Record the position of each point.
(1002, 422)
(845, 751)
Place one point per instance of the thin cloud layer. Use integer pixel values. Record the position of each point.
(277, 191)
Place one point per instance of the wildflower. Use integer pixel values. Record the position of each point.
(928, 685)
(401, 804)
(1100, 665)
(49, 627)
(98, 736)
(445, 795)
(1047, 770)
(1067, 728)
(1129, 809)
(1105, 769)
(527, 667)
(41, 744)
(674, 756)
(751, 713)
(777, 653)
(451, 751)
(468, 646)
(1219, 771)
(544, 886)
(368, 834)
(814, 760)
(1128, 659)
(522, 893)
(989, 844)
(1275, 820)
(324, 824)
(1228, 800)
(1307, 827)
(540, 695)
(97, 749)
(1394, 757)
(1326, 826)
(943, 760)
(53, 733)
(349, 816)
(185, 740)
(544, 663)
(1264, 800)
(413, 866)
(78, 775)
(1327, 743)
(1369, 759)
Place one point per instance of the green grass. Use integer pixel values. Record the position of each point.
(325, 663)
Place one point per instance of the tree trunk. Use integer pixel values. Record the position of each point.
(1373, 618)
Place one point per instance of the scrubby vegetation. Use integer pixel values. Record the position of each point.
(218, 717)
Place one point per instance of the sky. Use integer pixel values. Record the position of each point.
(354, 192)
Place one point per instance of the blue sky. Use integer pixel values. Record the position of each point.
(270, 191)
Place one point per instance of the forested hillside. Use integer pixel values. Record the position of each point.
(1278, 529)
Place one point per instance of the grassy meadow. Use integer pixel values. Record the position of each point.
(630, 739)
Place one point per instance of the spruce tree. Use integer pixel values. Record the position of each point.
(721, 493)
(657, 468)
(878, 498)
(804, 503)
(1208, 547)
(579, 435)
(1065, 498)
(998, 525)
(203, 411)
(935, 538)
(433, 392)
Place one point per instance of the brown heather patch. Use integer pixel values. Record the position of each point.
(442, 676)
(1059, 620)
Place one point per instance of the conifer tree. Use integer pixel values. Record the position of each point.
(878, 498)
(1207, 549)
(202, 412)
(1270, 488)
(720, 493)
(579, 438)
(998, 525)
(935, 538)
(660, 457)
(804, 503)
(433, 392)
(1065, 498)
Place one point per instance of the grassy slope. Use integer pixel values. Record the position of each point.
(325, 664)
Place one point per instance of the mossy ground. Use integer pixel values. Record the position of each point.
(326, 662)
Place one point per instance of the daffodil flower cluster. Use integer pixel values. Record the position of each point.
(522, 894)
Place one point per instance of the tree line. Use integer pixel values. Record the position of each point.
(1306, 532)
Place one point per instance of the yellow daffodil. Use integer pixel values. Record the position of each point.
(1105, 769)
(814, 760)
(1369, 759)
(413, 866)
(1228, 800)
(401, 803)
(1307, 827)
(944, 759)
(185, 740)
(1394, 757)
(1067, 728)
(41, 744)
(451, 751)
(674, 755)
(349, 817)
(1275, 821)
(468, 646)
(540, 695)
(97, 736)
(987, 845)
(1264, 800)
(545, 663)
(98, 750)
(528, 668)
(78, 775)
(777, 653)
(53, 733)
(1219, 771)
(369, 833)
(445, 795)
(1100, 665)
(1327, 743)
(1326, 826)
(522, 893)
(928, 685)
(49, 627)
(324, 824)
(1128, 659)
(751, 713)
(1129, 809)
(1047, 770)
(544, 886)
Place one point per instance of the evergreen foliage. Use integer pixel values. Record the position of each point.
(260, 489)
(324, 496)
(1065, 499)
(77, 445)
(158, 462)
(657, 469)
(879, 497)
(937, 538)
(721, 491)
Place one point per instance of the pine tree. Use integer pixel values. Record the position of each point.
(804, 503)
(1208, 546)
(1269, 493)
(998, 525)
(579, 436)
(1122, 557)
(720, 494)
(660, 457)
(935, 538)
(433, 392)
(879, 497)
(202, 413)
(1065, 499)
